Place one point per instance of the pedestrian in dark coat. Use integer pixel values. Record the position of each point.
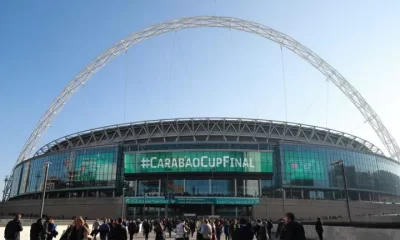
(119, 231)
(36, 230)
(293, 229)
(279, 229)
(262, 232)
(13, 228)
(245, 230)
(319, 229)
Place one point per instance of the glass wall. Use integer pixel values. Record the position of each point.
(310, 167)
(252, 188)
(24, 178)
(90, 168)
(199, 187)
(148, 188)
(223, 188)
(17, 177)
(304, 171)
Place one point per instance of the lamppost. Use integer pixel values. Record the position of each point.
(144, 202)
(291, 185)
(283, 198)
(46, 173)
(341, 163)
(123, 203)
(167, 190)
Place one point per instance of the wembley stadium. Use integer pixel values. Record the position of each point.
(206, 166)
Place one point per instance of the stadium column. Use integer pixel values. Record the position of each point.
(244, 188)
(136, 188)
(236, 208)
(235, 188)
(159, 187)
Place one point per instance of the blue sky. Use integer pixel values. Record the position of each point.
(196, 72)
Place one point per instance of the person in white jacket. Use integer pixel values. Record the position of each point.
(180, 230)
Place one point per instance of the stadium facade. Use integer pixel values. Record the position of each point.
(206, 166)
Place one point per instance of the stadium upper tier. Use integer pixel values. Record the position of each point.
(208, 130)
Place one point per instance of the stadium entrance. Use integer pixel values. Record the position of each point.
(157, 211)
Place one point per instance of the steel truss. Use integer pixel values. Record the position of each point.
(284, 40)
(208, 130)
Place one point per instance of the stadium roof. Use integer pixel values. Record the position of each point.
(208, 130)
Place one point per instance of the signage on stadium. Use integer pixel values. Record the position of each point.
(194, 161)
(192, 200)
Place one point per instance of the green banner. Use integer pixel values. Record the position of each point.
(196, 161)
(192, 200)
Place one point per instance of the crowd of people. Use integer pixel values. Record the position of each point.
(183, 229)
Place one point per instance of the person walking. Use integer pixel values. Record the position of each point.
(279, 229)
(13, 229)
(169, 227)
(78, 230)
(199, 226)
(226, 230)
(262, 231)
(256, 228)
(119, 231)
(192, 226)
(319, 228)
(159, 231)
(45, 233)
(95, 228)
(206, 230)
(180, 231)
(36, 230)
(293, 229)
(146, 229)
(213, 237)
(269, 228)
(132, 229)
(245, 230)
(51, 229)
(218, 229)
(104, 230)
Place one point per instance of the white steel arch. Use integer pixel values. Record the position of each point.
(221, 22)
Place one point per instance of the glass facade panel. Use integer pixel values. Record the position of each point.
(310, 167)
(172, 186)
(36, 175)
(79, 169)
(199, 187)
(24, 178)
(303, 171)
(17, 176)
(148, 188)
(252, 188)
(223, 188)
